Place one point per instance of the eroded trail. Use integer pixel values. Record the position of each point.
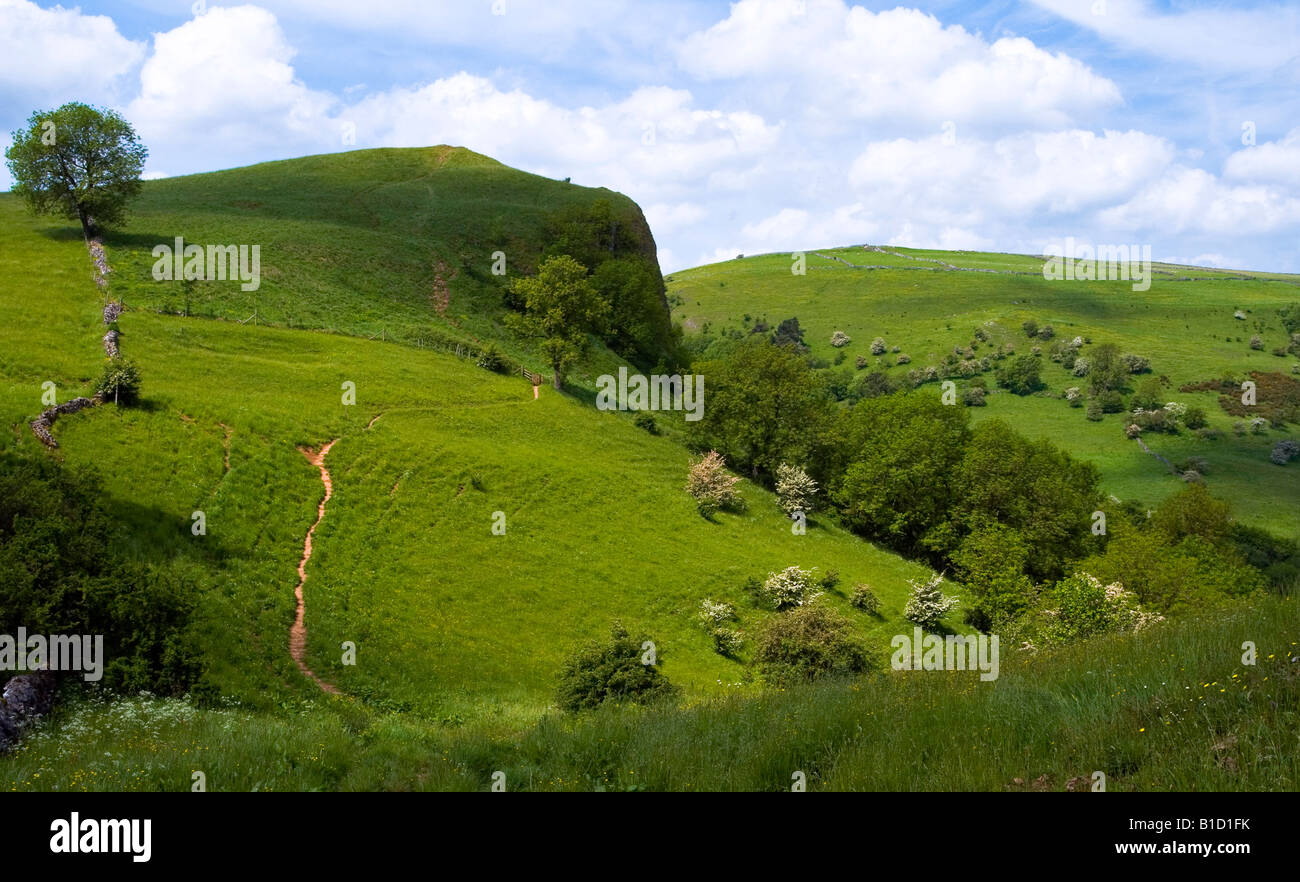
(298, 633)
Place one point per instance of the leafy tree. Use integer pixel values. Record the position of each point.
(928, 604)
(1032, 487)
(611, 670)
(765, 406)
(902, 451)
(795, 490)
(1021, 375)
(562, 307)
(1109, 370)
(78, 161)
(788, 333)
(991, 563)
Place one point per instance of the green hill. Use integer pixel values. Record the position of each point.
(923, 304)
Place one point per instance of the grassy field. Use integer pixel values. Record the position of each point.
(1186, 328)
(1176, 711)
(461, 633)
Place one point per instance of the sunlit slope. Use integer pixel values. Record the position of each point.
(447, 617)
(919, 302)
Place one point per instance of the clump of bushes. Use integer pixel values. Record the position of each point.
(611, 670)
(865, 599)
(1021, 376)
(928, 604)
(1137, 364)
(1081, 606)
(1284, 452)
(712, 486)
(717, 619)
(645, 420)
(789, 588)
(492, 359)
(808, 643)
(795, 490)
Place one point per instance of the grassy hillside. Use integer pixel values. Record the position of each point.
(449, 619)
(391, 243)
(924, 303)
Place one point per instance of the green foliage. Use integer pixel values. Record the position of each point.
(765, 407)
(928, 604)
(789, 588)
(1082, 606)
(119, 382)
(808, 643)
(991, 563)
(902, 451)
(61, 572)
(865, 599)
(612, 670)
(492, 359)
(78, 161)
(1109, 372)
(788, 333)
(561, 307)
(1021, 376)
(646, 420)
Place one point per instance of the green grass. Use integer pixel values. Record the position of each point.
(460, 633)
(1172, 710)
(1186, 328)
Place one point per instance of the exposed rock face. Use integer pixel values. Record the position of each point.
(25, 699)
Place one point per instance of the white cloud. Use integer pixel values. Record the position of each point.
(844, 63)
(58, 54)
(1274, 162)
(1190, 200)
(226, 76)
(1265, 38)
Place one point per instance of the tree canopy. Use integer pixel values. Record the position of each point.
(78, 161)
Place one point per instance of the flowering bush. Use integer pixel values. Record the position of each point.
(878, 346)
(839, 338)
(790, 587)
(904, 359)
(711, 485)
(1081, 367)
(865, 599)
(1084, 607)
(795, 491)
(1258, 425)
(927, 604)
(1284, 452)
(714, 615)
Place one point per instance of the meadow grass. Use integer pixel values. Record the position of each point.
(1186, 329)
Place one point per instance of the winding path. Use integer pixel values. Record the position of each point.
(298, 633)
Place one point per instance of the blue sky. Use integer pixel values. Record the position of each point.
(761, 125)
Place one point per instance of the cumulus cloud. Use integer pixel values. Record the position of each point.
(1191, 200)
(847, 62)
(1273, 162)
(57, 55)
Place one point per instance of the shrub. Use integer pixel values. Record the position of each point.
(904, 359)
(865, 599)
(1284, 452)
(839, 338)
(1258, 426)
(1081, 367)
(645, 420)
(1137, 364)
(1046, 332)
(728, 641)
(795, 491)
(860, 362)
(492, 359)
(806, 644)
(1021, 376)
(611, 670)
(973, 397)
(927, 605)
(1030, 328)
(1133, 430)
(878, 346)
(1111, 401)
(1256, 342)
(789, 588)
(1074, 396)
(715, 615)
(830, 580)
(1094, 410)
(119, 383)
(711, 485)
(1081, 606)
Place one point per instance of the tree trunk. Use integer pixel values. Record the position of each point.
(87, 224)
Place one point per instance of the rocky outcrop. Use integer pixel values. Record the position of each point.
(25, 699)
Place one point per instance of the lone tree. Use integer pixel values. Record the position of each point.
(79, 161)
(561, 306)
